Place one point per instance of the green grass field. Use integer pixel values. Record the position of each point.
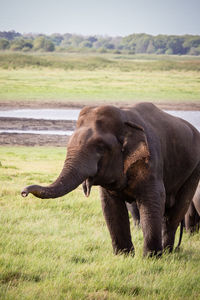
(61, 249)
(89, 78)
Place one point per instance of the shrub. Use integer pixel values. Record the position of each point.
(4, 44)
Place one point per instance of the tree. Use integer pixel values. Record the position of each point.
(109, 46)
(76, 40)
(17, 45)
(194, 51)
(4, 44)
(10, 35)
(86, 44)
(160, 43)
(92, 39)
(142, 43)
(151, 48)
(42, 43)
(48, 46)
(175, 43)
(56, 38)
(21, 44)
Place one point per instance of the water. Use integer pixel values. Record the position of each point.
(72, 114)
(45, 114)
(56, 132)
(192, 117)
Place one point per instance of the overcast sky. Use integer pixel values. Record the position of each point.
(105, 17)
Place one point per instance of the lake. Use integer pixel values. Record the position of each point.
(45, 114)
(72, 114)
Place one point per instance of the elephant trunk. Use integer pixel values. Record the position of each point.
(73, 174)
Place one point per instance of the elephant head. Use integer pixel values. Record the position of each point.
(101, 151)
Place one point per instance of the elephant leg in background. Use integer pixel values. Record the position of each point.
(192, 219)
(151, 210)
(177, 213)
(132, 207)
(117, 219)
(196, 200)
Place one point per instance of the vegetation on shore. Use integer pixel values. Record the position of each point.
(105, 78)
(131, 44)
(61, 248)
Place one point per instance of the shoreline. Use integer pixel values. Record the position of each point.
(168, 105)
(26, 139)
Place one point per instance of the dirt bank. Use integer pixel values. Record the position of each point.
(34, 139)
(15, 139)
(36, 124)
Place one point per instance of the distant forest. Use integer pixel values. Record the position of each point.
(131, 44)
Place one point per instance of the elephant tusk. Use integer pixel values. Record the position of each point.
(87, 185)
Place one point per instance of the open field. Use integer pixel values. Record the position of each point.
(82, 78)
(61, 249)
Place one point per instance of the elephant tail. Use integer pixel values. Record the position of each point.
(180, 236)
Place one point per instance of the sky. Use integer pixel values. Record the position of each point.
(101, 17)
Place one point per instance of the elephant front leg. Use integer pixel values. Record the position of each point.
(191, 219)
(117, 219)
(175, 214)
(151, 210)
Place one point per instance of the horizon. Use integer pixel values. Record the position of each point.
(100, 35)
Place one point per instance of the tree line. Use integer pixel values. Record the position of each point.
(132, 44)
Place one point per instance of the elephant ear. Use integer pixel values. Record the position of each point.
(134, 145)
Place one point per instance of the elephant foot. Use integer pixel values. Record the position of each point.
(152, 253)
(124, 251)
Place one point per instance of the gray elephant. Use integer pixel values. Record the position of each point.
(139, 154)
(192, 217)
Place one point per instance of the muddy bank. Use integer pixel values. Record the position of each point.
(36, 124)
(25, 139)
(15, 139)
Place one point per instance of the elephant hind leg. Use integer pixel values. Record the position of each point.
(117, 219)
(175, 214)
(132, 207)
(192, 219)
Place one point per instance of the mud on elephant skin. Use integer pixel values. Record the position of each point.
(140, 154)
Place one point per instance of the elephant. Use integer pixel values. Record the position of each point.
(192, 217)
(135, 154)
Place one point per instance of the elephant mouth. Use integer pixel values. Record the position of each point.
(116, 184)
(112, 185)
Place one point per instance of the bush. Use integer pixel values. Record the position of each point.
(43, 44)
(21, 44)
(194, 51)
(169, 52)
(4, 44)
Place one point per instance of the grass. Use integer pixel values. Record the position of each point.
(61, 249)
(84, 78)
